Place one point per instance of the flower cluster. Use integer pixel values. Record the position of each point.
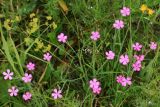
(33, 24)
(119, 24)
(144, 8)
(95, 86)
(123, 81)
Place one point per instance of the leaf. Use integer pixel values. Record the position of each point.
(4, 96)
(52, 37)
(47, 73)
(61, 50)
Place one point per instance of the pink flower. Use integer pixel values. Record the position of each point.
(126, 81)
(30, 66)
(95, 86)
(27, 96)
(153, 45)
(8, 74)
(27, 78)
(94, 83)
(96, 90)
(13, 91)
(120, 78)
(110, 55)
(124, 59)
(139, 58)
(62, 38)
(118, 24)
(57, 94)
(125, 11)
(47, 57)
(137, 46)
(137, 66)
(95, 36)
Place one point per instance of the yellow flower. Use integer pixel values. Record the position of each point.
(49, 18)
(28, 41)
(39, 44)
(54, 25)
(143, 8)
(46, 23)
(33, 25)
(47, 49)
(18, 18)
(32, 15)
(150, 11)
(35, 20)
(6, 24)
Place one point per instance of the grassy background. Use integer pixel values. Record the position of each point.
(81, 59)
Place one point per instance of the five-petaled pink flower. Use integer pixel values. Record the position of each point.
(95, 86)
(139, 58)
(137, 46)
(27, 78)
(118, 24)
(110, 55)
(137, 66)
(95, 36)
(30, 66)
(124, 59)
(13, 91)
(96, 90)
(62, 38)
(27, 96)
(94, 83)
(47, 56)
(120, 78)
(125, 11)
(128, 80)
(57, 94)
(153, 45)
(8, 74)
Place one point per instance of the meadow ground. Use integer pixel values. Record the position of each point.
(79, 53)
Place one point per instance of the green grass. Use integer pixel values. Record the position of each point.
(80, 59)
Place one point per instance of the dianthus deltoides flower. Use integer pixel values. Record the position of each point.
(56, 94)
(110, 55)
(125, 11)
(139, 58)
(8, 74)
(13, 91)
(62, 38)
(118, 24)
(137, 46)
(47, 56)
(27, 96)
(95, 35)
(95, 86)
(27, 78)
(137, 66)
(153, 46)
(124, 59)
(30, 66)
